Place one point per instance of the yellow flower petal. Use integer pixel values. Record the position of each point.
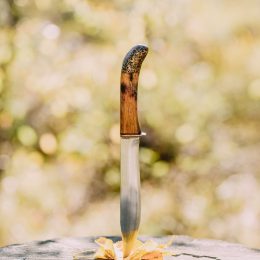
(150, 250)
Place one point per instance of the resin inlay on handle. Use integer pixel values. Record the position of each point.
(132, 63)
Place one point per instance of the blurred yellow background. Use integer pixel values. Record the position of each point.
(199, 96)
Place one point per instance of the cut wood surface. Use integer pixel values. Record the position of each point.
(184, 248)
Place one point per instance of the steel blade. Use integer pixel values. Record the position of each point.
(130, 204)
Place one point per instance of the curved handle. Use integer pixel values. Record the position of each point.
(133, 60)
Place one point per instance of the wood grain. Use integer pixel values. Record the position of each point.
(184, 248)
(132, 63)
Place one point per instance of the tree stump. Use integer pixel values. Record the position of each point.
(184, 248)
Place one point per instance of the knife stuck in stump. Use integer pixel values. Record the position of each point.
(130, 132)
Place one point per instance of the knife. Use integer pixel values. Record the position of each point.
(130, 132)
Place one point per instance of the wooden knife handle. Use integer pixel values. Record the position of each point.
(133, 60)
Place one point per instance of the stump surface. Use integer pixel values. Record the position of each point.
(185, 248)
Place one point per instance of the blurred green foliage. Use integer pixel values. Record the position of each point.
(199, 103)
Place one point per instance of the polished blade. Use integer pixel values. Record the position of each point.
(130, 205)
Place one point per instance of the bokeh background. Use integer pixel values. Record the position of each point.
(199, 96)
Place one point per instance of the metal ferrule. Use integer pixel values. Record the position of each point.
(131, 136)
